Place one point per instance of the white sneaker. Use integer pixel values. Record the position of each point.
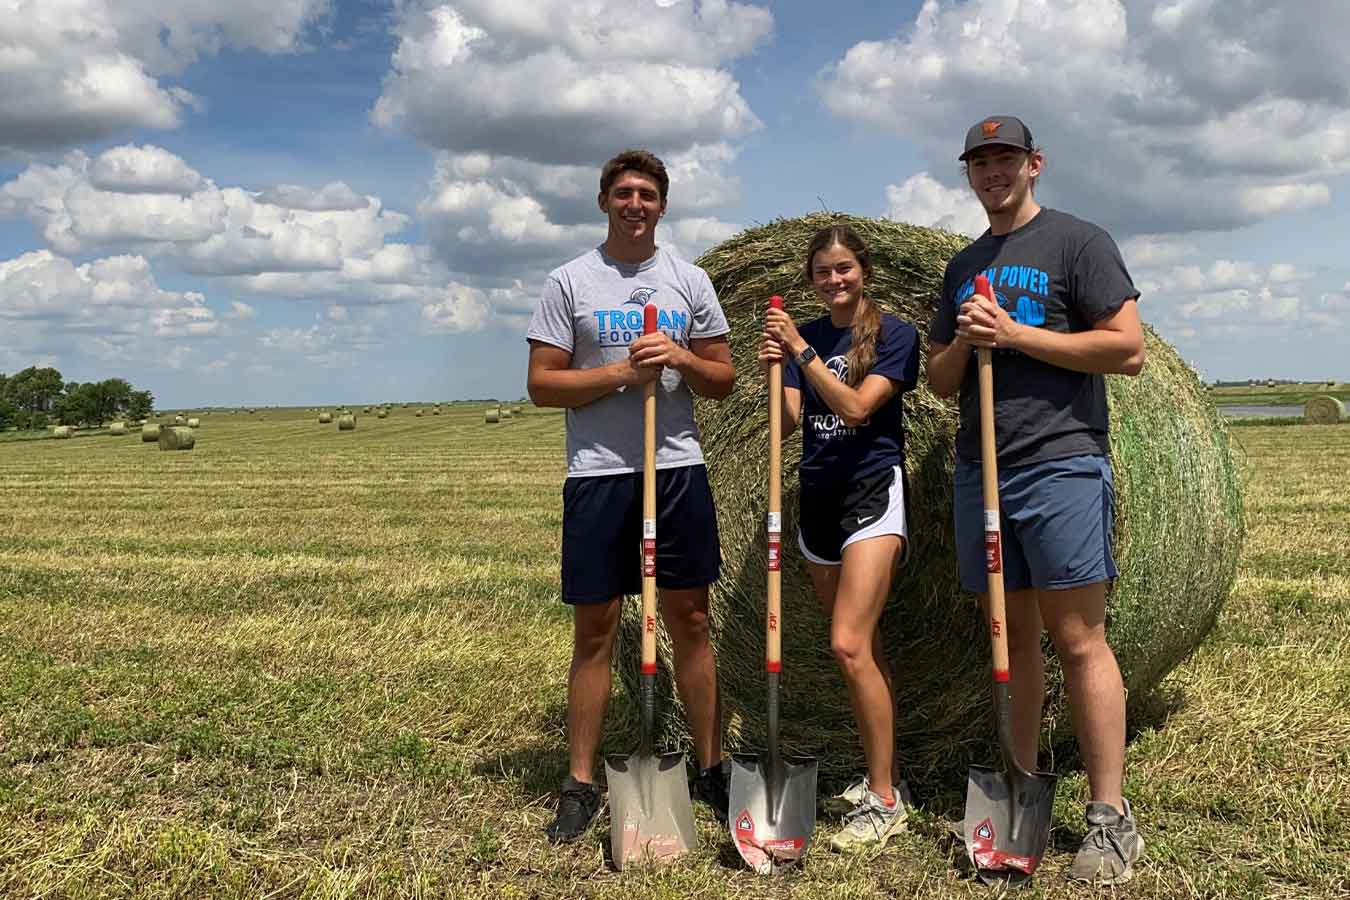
(848, 799)
(872, 822)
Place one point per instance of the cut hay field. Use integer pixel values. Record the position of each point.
(294, 662)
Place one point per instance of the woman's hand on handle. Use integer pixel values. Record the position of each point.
(779, 326)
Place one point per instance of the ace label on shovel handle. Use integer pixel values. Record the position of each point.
(993, 548)
(648, 548)
(775, 548)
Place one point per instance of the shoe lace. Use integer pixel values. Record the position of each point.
(1103, 837)
(870, 813)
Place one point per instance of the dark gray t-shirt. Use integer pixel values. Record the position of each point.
(1055, 272)
(592, 307)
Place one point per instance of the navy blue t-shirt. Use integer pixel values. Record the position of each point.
(832, 452)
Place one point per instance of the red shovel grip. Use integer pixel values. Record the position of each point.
(982, 287)
(649, 319)
(775, 302)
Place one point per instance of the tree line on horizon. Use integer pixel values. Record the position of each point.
(37, 397)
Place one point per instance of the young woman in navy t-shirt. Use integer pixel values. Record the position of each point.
(843, 381)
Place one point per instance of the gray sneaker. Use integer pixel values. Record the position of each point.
(1111, 847)
(872, 822)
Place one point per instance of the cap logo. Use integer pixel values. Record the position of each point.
(990, 128)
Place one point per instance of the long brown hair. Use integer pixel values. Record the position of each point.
(867, 317)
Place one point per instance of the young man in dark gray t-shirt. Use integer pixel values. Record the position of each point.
(589, 356)
(1064, 314)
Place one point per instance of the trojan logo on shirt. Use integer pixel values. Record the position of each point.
(1021, 290)
(620, 327)
(830, 426)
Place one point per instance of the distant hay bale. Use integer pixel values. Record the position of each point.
(1178, 535)
(418, 414)
(506, 414)
(180, 419)
(347, 423)
(491, 416)
(325, 418)
(1324, 411)
(177, 438)
(118, 428)
(365, 410)
(436, 411)
(194, 423)
(150, 433)
(62, 431)
(382, 414)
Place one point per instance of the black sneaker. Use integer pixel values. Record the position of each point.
(710, 787)
(578, 802)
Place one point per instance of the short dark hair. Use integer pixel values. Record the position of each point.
(641, 161)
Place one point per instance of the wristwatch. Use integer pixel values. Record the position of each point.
(801, 359)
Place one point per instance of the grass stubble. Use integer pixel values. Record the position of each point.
(300, 664)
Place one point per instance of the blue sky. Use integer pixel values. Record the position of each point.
(305, 201)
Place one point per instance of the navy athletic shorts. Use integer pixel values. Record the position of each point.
(1056, 522)
(602, 534)
(831, 518)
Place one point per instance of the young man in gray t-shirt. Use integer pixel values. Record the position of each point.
(1064, 314)
(588, 355)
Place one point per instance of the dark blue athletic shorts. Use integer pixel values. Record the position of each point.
(602, 534)
(1056, 522)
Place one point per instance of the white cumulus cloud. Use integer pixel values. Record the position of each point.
(82, 70)
(1155, 116)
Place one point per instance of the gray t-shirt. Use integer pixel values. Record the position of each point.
(592, 307)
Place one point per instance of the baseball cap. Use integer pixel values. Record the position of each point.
(1006, 131)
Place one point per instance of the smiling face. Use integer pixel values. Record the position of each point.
(633, 204)
(837, 277)
(1003, 177)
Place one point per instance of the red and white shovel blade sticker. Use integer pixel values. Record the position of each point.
(764, 855)
(987, 857)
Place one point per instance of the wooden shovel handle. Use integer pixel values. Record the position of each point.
(993, 541)
(649, 510)
(773, 638)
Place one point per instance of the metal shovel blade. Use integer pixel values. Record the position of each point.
(650, 816)
(1007, 824)
(772, 810)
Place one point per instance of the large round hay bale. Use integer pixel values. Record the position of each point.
(180, 419)
(325, 418)
(62, 431)
(436, 411)
(1324, 411)
(177, 437)
(346, 423)
(118, 428)
(418, 414)
(1179, 530)
(492, 416)
(506, 414)
(194, 423)
(150, 433)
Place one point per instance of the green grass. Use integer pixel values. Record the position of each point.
(298, 663)
(1295, 394)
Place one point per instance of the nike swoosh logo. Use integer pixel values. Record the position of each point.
(863, 520)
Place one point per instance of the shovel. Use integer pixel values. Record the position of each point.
(772, 797)
(1008, 813)
(650, 816)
